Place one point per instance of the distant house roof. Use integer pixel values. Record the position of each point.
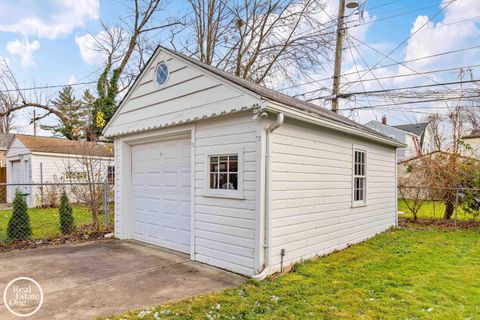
(64, 146)
(415, 128)
(5, 139)
(386, 129)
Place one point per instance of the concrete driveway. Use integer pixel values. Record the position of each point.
(88, 280)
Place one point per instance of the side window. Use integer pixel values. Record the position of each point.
(111, 174)
(359, 177)
(223, 173)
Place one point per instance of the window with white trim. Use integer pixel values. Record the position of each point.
(359, 176)
(223, 172)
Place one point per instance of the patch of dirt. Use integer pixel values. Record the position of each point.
(435, 223)
(85, 233)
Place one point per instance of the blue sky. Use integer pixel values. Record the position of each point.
(38, 38)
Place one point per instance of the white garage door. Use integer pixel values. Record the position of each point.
(161, 193)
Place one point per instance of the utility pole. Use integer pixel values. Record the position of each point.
(34, 122)
(352, 4)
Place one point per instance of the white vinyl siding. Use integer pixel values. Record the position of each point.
(53, 168)
(188, 94)
(312, 192)
(224, 227)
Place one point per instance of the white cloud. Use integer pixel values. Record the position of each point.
(446, 35)
(48, 19)
(86, 44)
(91, 45)
(72, 79)
(24, 50)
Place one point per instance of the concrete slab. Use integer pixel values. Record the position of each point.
(88, 280)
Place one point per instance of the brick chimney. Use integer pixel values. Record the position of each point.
(384, 120)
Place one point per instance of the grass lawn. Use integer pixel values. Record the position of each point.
(45, 222)
(432, 210)
(401, 274)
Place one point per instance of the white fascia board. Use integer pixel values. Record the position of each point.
(67, 155)
(327, 123)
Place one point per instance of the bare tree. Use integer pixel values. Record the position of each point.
(436, 123)
(261, 40)
(91, 167)
(120, 44)
(13, 99)
(7, 100)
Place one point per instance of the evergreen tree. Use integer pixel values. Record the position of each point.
(73, 110)
(67, 223)
(88, 105)
(19, 224)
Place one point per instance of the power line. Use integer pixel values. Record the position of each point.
(49, 87)
(399, 76)
(410, 36)
(406, 66)
(397, 15)
(416, 74)
(349, 94)
(373, 74)
(387, 66)
(387, 4)
(468, 98)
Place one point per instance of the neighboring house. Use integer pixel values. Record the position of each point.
(242, 177)
(424, 131)
(34, 159)
(5, 139)
(473, 143)
(418, 138)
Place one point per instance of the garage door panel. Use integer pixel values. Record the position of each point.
(161, 193)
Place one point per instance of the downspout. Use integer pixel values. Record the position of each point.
(268, 198)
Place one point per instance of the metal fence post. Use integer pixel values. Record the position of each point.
(105, 203)
(456, 209)
(41, 186)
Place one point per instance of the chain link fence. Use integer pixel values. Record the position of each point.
(33, 213)
(448, 205)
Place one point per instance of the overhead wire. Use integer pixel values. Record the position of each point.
(409, 37)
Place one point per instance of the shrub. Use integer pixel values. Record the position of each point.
(19, 224)
(66, 215)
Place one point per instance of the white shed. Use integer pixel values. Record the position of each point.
(242, 177)
(35, 159)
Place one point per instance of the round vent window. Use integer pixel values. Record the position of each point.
(162, 73)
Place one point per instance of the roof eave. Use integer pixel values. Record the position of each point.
(327, 123)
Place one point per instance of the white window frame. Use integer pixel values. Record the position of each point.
(158, 85)
(221, 193)
(359, 203)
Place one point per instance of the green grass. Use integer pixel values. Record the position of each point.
(401, 274)
(45, 222)
(432, 210)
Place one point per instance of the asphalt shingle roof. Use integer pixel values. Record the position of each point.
(415, 128)
(281, 98)
(5, 139)
(64, 146)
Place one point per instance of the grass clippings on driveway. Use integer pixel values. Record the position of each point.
(401, 274)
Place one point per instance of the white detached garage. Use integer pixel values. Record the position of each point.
(242, 177)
